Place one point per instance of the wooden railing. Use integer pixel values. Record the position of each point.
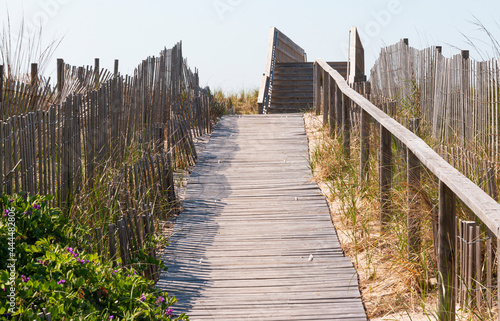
(338, 96)
(280, 49)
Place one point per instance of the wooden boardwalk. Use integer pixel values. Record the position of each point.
(253, 217)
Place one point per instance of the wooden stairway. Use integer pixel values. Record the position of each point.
(292, 86)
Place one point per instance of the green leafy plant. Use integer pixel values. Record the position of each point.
(64, 280)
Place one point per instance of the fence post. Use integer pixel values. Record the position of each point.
(385, 171)
(446, 255)
(66, 150)
(364, 146)
(34, 74)
(98, 236)
(326, 96)
(414, 186)
(96, 73)
(1, 83)
(60, 79)
(111, 243)
(346, 130)
(317, 88)
(115, 73)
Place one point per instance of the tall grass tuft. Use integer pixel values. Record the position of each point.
(19, 50)
(242, 103)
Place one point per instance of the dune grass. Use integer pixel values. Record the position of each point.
(243, 102)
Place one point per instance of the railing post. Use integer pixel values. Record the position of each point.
(317, 88)
(498, 274)
(364, 146)
(367, 89)
(331, 107)
(346, 127)
(338, 108)
(414, 186)
(385, 170)
(326, 97)
(446, 255)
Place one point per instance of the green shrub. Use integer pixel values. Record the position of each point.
(66, 281)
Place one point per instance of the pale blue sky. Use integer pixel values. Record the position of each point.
(227, 39)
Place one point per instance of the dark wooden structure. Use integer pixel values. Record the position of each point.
(287, 83)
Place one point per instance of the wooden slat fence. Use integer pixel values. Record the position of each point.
(60, 141)
(457, 98)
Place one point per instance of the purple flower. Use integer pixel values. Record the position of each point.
(160, 300)
(5, 213)
(61, 281)
(24, 278)
(11, 200)
(36, 206)
(143, 298)
(75, 254)
(111, 317)
(169, 312)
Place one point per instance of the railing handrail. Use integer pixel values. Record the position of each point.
(483, 206)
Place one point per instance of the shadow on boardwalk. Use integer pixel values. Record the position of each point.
(255, 240)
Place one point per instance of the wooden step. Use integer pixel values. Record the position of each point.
(278, 109)
(340, 66)
(292, 88)
(295, 65)
(292, 102)
(292, 94)
(289, 77)
(292, 71)
(299, 84)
